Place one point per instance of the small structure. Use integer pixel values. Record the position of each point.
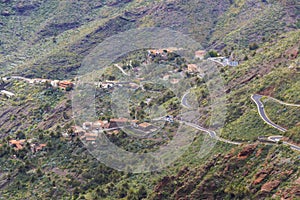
(65, 85)
(89, 137)
(77, 131)
(40, 147)
(87, 125)
(158, 52)
(106, 84)
(174, 81)
(166, 77)
(7, 93)
(192, 68)
(54, 83)
(200, 54)
(6, 79)
(169, 119)
(147, 127)
(37, 147)
(18, 144)
(40, 80)
(101, 124)
(162, 53)
(230, 62)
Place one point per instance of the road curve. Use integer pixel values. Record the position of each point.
(256, 98)
(211, 133)
(260, 107)
(184, 102)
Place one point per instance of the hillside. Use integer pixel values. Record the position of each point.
(46, 152)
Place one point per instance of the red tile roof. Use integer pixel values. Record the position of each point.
(144, 125)
(18, 143)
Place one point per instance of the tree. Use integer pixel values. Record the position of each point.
(142, 192)
(253, 46)
(213, 53)
(20, 135)
(135, 63)
(39, 172)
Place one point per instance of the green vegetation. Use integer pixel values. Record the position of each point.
(50, 39)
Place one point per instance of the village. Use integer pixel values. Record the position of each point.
(89, 131)
(20, 144)
(161, 54)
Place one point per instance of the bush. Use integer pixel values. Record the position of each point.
(213, 53)
(253, 46)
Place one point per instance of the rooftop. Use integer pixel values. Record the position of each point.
(144, 125)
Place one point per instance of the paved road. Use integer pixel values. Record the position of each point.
(256, 98)
(260, 107)
(277, 138)
(211, 133)
(184, 102)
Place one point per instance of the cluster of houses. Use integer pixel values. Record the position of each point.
(161, 53)
(64, 85)
(19, 145)
(89, 130)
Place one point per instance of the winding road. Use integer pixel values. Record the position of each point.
(255, 97)
(260, 107)
(211, 133)
(184, 102)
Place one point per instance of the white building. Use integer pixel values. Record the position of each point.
(7, 93)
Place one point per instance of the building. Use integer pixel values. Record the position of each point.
(17, 144)
(169, 119)
(102, 124)
(65, 85)
(40, 80)
(87, 125)
(40, 147)
(192, 68)
(229, 62)
(89, 137)
(174, 81)
(77, 131)
(37, 147)
(162, 53)
(200, 54)
(147, 127)
(54, 83)
(7, 93)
